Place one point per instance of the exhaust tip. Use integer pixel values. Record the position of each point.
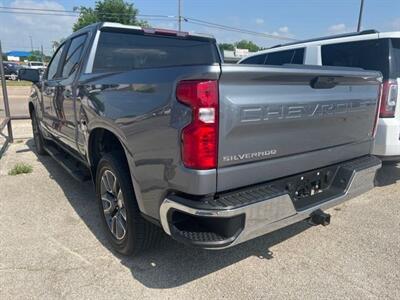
(318, 217)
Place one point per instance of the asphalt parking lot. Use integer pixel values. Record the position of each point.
(52, 246)
(17, 96)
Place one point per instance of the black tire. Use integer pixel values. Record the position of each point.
(14, 76)
(37, 135)
(140, 234)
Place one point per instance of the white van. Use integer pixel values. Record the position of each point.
(371, 50)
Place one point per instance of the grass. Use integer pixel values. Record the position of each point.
(20, 168)
(18, 83)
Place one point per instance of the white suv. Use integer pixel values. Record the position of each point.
(369, 50)
(38, 65)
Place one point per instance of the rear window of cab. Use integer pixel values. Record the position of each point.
(124, 51)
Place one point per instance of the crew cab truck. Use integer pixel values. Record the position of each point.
(213, 154)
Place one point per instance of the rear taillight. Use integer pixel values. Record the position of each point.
(200, 137)
(388, 99)
(377, 112)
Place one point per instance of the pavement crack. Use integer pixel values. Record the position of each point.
(70, 251)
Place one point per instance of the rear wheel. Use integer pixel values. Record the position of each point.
(37, 135)
(125, 228)
(13, 76)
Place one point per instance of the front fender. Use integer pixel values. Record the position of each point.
(34, 101)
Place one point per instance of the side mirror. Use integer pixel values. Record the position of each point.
(31, 75)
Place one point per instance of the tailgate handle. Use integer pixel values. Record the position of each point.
(323, 82)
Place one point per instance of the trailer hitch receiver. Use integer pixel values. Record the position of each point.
(318, 217)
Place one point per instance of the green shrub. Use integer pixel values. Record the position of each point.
(20, 168)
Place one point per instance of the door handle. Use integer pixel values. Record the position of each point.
(323, 82)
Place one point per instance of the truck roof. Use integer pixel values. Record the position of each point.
(148, 30)
(332, 39)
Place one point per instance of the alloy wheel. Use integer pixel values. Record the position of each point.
(113, 204)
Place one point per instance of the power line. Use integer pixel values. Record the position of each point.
(235, 29)
(28, 48)
(35, 13)
(150, 18)
(59, 12)
(77, 12)
(38, 9)
(155, 17)
(8, 45)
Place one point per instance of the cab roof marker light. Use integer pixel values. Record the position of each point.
(165, 32)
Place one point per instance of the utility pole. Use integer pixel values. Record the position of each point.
(360, 16)
(179, 15)
(5, 99)
(30, 37)
(41, 51)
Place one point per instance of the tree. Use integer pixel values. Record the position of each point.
(35, 56)
(109, 11)
(55, 44)
(243, 44)
(226, 46)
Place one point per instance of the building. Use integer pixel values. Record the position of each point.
(17, 55)
(234, 56)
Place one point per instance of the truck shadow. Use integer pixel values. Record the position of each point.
(174, 264)
(388, 174)
(171, 264)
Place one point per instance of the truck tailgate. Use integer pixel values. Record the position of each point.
(278, 121)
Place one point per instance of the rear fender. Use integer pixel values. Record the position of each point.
(128, 154)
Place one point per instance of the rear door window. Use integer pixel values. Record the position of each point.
(124, 51)
(74, 54)
(255, 60)
(368, 55)
(294, 56)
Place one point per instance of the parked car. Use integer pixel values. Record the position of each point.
(213, 154)
(11, 70)
(369, 50)
(38, 65)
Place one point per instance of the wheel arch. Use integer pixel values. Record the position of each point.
(102, 139)
(105, 140)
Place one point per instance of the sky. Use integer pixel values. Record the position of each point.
(297, 19)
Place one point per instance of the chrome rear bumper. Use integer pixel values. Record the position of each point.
(272, 214)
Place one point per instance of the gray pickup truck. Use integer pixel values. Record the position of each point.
(214, 154)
